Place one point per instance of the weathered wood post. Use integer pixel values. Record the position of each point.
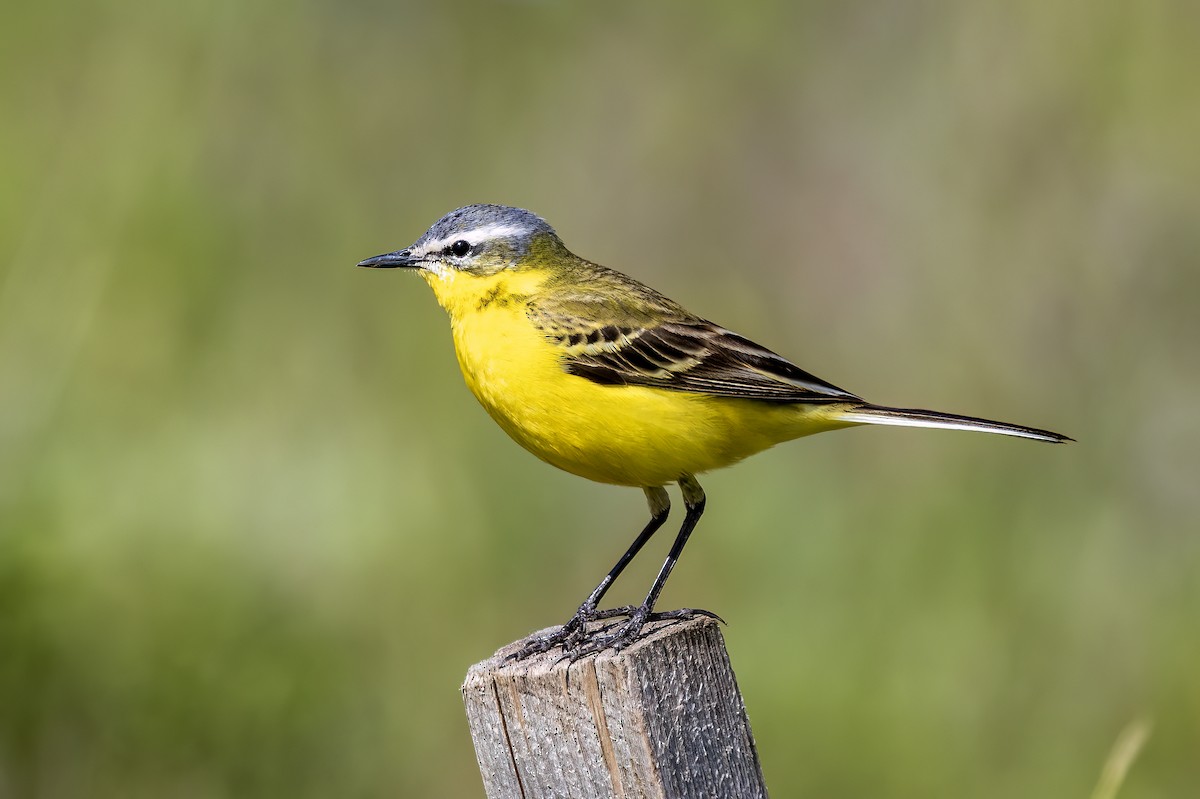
(663, 718)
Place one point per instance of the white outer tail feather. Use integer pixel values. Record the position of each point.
(914, 417)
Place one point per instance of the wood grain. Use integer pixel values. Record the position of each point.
(662, 719)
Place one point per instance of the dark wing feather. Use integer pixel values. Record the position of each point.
(694, 356)
(614, 330)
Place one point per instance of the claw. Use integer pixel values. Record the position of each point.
(579, 641)
(612, 613)
(629, 632)
(684, 614)
(572, 635)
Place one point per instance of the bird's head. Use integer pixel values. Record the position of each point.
(478, 240)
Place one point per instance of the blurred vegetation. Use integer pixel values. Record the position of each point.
(253, 529)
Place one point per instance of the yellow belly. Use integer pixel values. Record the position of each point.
(625, 435)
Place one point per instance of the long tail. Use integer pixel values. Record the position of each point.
(914, 417)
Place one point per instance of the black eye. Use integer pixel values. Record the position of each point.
(460, 248)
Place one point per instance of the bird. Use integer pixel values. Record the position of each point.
(602, 376)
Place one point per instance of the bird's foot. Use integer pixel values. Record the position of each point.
(578, 639)
(572, 634)
(629, 631)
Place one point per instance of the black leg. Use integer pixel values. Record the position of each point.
(693, 498)
(575, 628)
(627, 633)
(660, 507)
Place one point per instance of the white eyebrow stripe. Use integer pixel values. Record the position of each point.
(496, 230)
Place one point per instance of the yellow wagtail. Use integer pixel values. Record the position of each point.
(602, 376)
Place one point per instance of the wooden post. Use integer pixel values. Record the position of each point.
(663, 718)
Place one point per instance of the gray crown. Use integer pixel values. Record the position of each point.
(517, 224)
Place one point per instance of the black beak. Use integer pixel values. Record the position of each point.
(392, 260)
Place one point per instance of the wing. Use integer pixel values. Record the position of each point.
(661, 345)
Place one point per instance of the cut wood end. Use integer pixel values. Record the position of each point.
(660, 718)
(553, 660)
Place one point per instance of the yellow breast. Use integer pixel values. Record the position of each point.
(626, 435)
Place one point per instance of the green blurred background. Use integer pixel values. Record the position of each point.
(253, 529)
